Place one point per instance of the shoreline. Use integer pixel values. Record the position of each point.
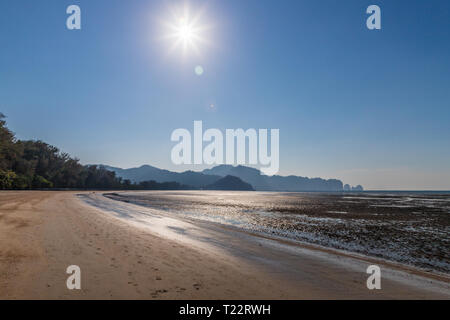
(365, 227)
(416, 270)
(42, 233)
(331, 253)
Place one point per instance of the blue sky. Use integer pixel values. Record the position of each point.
(367, 107)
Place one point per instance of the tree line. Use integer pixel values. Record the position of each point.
(38, 165)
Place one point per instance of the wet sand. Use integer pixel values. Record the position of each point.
(149, 254)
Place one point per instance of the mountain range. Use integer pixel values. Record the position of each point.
(210, 177)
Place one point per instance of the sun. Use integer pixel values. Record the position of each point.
(186, 31)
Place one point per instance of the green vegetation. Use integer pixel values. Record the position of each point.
(37, 165)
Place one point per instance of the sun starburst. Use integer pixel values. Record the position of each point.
(186, 32)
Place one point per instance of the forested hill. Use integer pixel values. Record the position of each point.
(38, 165)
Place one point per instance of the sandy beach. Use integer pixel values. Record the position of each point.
(42, 233)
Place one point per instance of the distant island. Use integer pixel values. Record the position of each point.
(230, 183)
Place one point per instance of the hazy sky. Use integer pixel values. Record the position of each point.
(367, 107)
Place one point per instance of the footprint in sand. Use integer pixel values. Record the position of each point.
(197, 286)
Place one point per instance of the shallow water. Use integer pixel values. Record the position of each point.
(411, 228)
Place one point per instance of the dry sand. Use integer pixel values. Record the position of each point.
(42, 233)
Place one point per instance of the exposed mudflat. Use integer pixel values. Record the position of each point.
(409, 228)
